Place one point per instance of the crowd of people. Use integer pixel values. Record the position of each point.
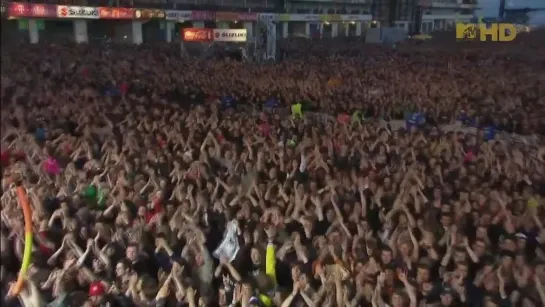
(148, 189)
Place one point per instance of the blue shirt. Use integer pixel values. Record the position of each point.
(40, 134)
(489, 133)
(227, 101)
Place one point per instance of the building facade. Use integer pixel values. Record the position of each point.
(411, 15)
(427, 16)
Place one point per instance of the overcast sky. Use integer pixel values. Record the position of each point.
(490, 8)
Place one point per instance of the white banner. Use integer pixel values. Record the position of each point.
(178, 15)
(230, 35)
(80, 12)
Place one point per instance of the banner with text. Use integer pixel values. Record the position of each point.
(16, 10)
(77, 12)
(203, 15)
(115, 13)
(321, 17)
(234, 16)
(178, 15)
(197, 35)
(266, 17)
(149, 14)
(230, 35)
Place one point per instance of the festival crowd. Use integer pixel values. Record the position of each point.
(160, 180)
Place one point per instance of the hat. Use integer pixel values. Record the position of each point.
(96, 289)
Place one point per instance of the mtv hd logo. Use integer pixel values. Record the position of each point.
(502, 32)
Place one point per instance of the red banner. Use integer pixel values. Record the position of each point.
(116, 13)
(203, 15)
(32, 10)
(197, 35)
(233, 16)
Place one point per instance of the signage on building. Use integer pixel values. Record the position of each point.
(149, 14)
(31, 10)
(233, 16)
(178, 15)
(356, 17)
(115, 13)
(77, 12)
(230, 35)
(266, 17)
(203, 15)
(197, 35)
(330, 17)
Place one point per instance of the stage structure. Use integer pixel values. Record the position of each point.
(265, 42)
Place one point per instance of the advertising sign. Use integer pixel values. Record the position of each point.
(115, 13)
(203, 15)
(149, 14)
(77, 12)
(266, 17)
(32, 10)
(356, 17)
(230, 35)
(305, 17)
(197, 35)
(233, 16)
(178, 15)
(330, 17)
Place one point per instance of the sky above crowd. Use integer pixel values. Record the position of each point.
(490, 8)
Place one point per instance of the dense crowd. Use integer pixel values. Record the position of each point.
(149, 188)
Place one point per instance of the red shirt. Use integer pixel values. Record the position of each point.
(157, 208)
(4, 157)
(123, 88)
(43, 248)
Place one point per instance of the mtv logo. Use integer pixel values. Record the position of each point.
(497, 32)
(466, 31)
